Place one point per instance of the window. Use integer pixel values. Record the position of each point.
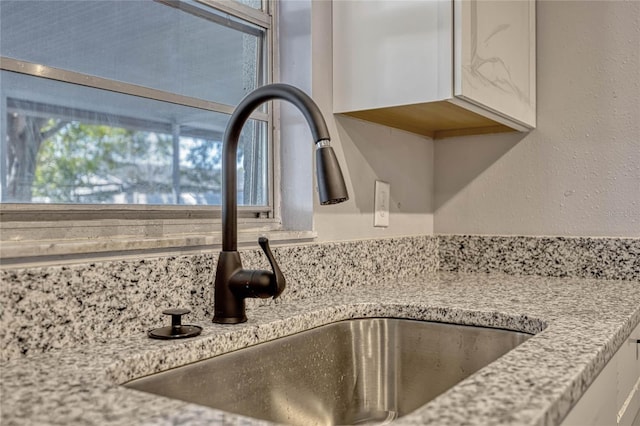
(123, 105)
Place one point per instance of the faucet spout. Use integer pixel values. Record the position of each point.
(232, 283)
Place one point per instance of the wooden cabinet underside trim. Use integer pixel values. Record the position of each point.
(434, 119)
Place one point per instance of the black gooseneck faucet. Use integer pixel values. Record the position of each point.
(233, 284)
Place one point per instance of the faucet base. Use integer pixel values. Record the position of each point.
(228, 308)
(227, 320)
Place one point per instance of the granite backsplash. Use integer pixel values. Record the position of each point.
(48, 308)
(54, 307)
(572, 257)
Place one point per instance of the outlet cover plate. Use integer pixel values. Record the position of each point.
(381, 202)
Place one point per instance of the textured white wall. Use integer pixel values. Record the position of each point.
(368, 152)
(296, 143)
(578, 173)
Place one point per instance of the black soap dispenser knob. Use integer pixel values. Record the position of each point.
(176, 330)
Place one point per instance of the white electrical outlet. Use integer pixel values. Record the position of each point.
(381, 203)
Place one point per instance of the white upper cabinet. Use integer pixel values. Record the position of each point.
(436, 67)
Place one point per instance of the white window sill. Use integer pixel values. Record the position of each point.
(16, 254)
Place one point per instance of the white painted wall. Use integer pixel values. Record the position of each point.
(296, 142)
(366, 151)
(578, 173)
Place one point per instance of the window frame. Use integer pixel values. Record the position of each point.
(50, 232)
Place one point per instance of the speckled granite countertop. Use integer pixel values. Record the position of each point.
(579, 324)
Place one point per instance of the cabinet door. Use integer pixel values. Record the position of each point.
(492, 65)
(628, 395)
(597, 407)
(614, 396)
(388, 53)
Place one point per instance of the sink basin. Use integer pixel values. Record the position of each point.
(349, 372)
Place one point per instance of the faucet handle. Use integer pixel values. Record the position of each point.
(278, 277)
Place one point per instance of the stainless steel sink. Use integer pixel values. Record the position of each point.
(350, 372)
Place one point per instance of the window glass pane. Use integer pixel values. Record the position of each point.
(201, 163)
(256, 4)
(191, 50)
(67, 143)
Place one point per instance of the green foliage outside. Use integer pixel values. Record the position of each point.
(85, 163)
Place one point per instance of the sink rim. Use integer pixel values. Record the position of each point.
(222, 339)
(515, 337)
(205, 357)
